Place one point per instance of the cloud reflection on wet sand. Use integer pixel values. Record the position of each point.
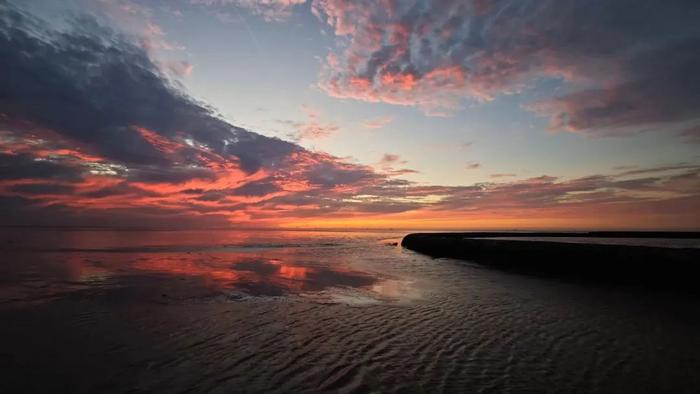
(52, 274)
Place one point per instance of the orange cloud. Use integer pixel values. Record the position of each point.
(159, 142)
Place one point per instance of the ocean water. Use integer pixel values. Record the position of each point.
(297, 311)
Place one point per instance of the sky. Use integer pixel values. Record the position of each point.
(415, 114)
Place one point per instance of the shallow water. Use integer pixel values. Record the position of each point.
(261, 311)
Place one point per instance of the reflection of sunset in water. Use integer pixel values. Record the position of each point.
(217, 271)
(232, 270)
(217, 262)
(290, 272)
(78, 269)
(184, 266)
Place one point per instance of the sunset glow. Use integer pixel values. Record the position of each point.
(386, 132)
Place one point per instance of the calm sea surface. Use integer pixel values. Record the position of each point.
(272, 311)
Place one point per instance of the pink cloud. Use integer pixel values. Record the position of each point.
(180, 68)
(313, 128)
(390, 159)
(627, 70)
(393, 56)
(313, 131)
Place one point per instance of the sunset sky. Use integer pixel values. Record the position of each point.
(422, 114)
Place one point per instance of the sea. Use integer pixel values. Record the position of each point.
(90, 310)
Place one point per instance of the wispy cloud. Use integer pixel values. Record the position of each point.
(390, 165)
(502, 175)
(473, 165)
(391, 159)
(377, 123)
(180, 68)
(691, 134)
(270, 10)
(313, 128)
(137, 19)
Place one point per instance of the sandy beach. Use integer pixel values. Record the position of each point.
(328, 312)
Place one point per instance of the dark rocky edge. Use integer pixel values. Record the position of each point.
(650, 266)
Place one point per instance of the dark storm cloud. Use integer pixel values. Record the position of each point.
(121, 188)
(329, 175)
(27, 167)
(661, 86)
(173, 174)
(94, 86)
(87, 106)
(256, 189)
(42, 188)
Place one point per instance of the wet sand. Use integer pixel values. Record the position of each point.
(320, 312)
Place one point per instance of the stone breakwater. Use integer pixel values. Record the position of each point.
(585, 258)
